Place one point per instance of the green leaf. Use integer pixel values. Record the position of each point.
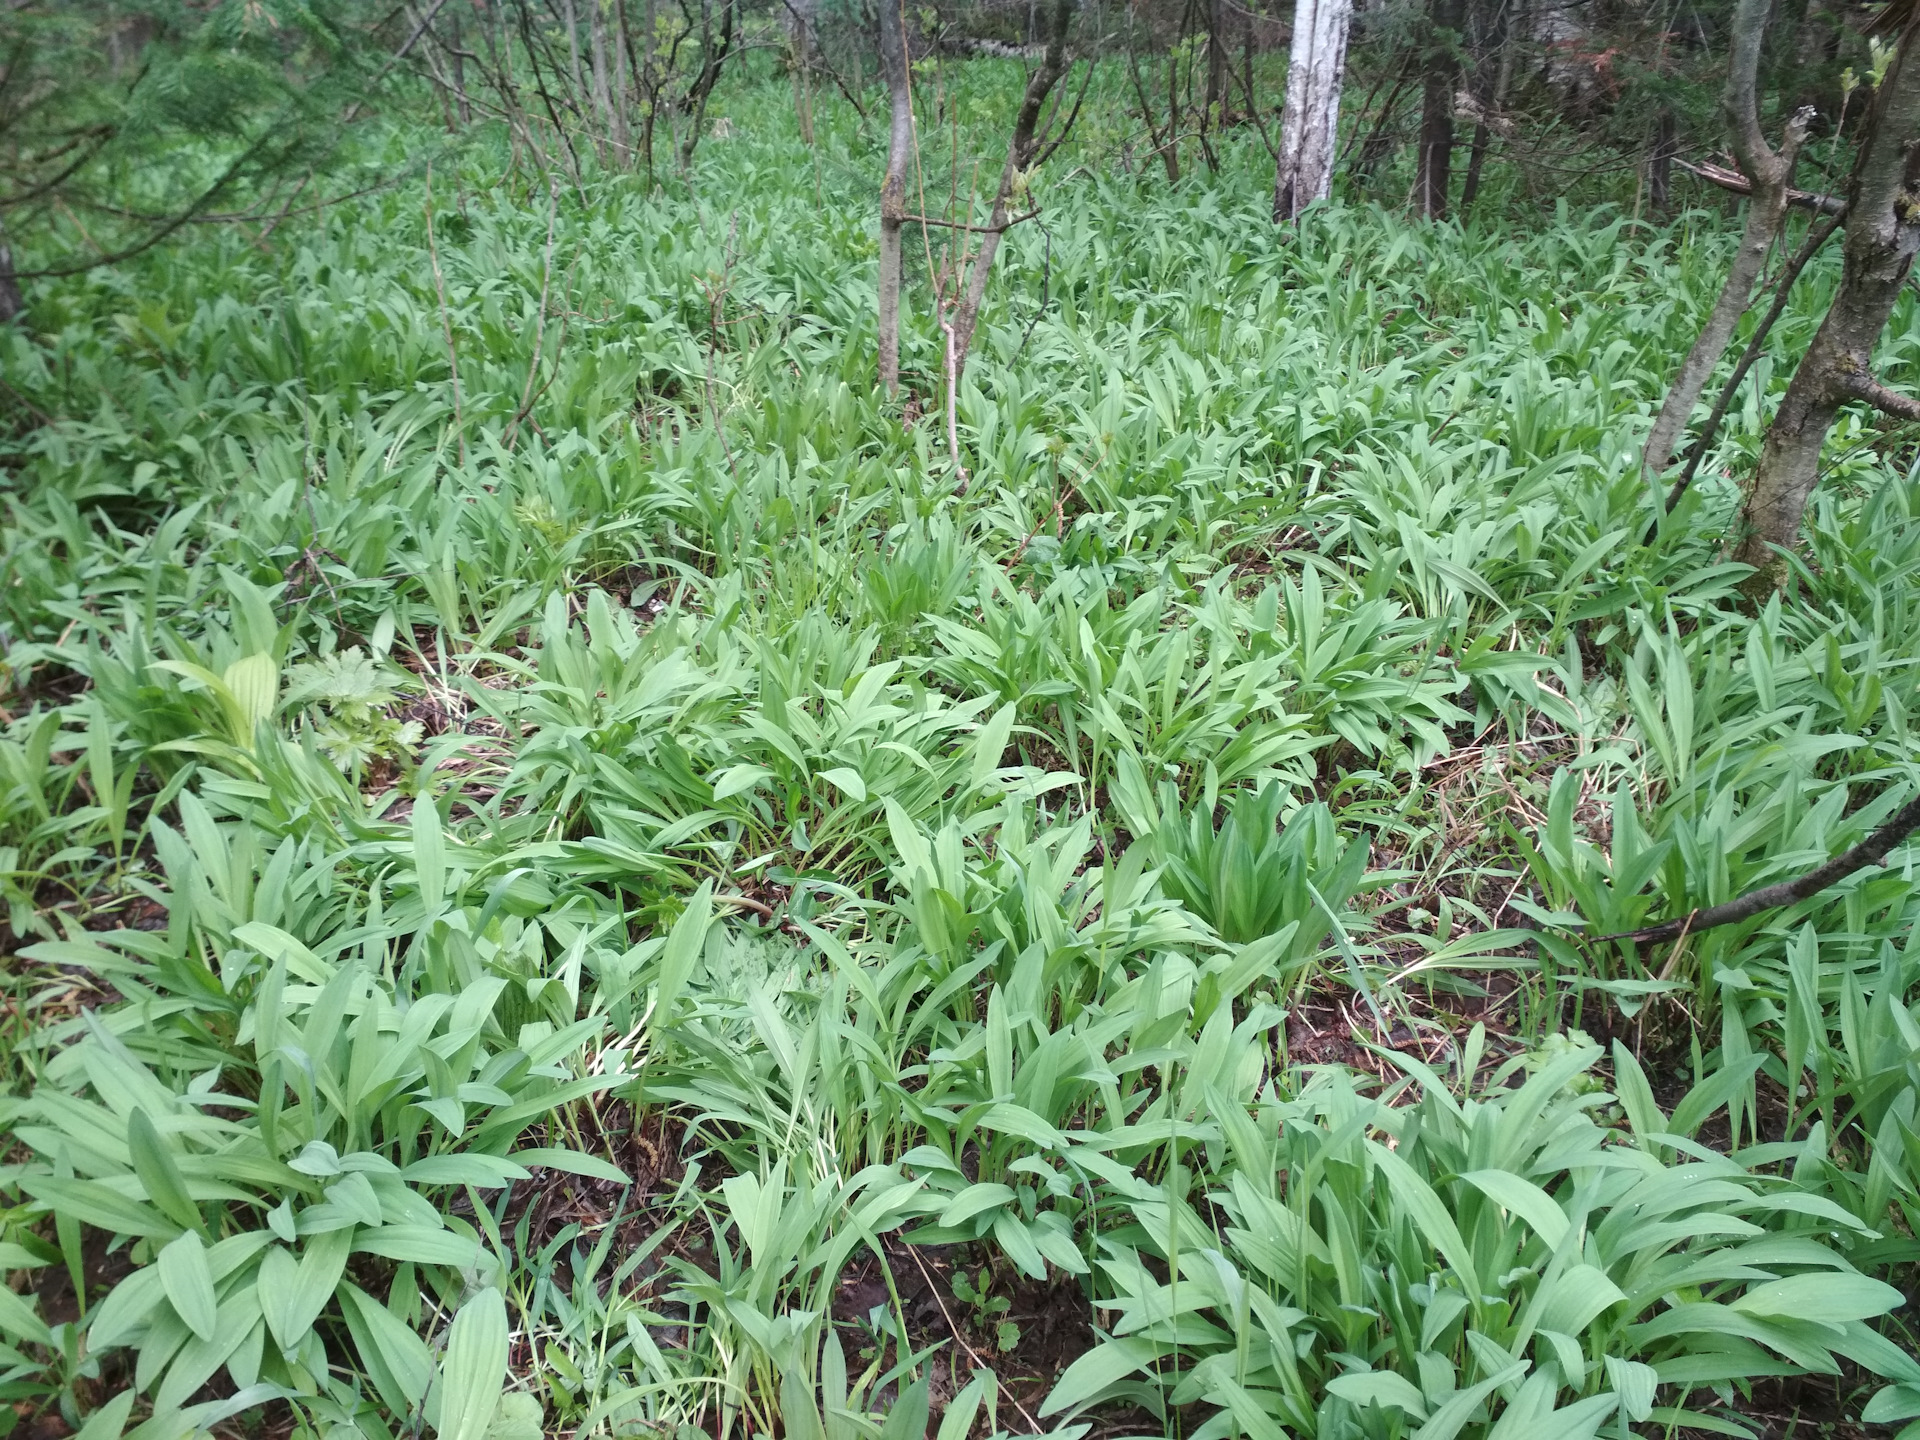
(1097, 1371)
(293, 1295)
(1417, 1198)
(972, 1200)
(1522, 1198)
(396, 1358)
(1828, 1298)
(1891, 1404)
(572, 1162)
(684, 943)
(429, 855)
(1380, 1387)
(188, 1283)
(110, 1420)
(253, 683)
(737, 779)
(847, 782)
(483, 1172)
(97, 1205)
(18, 1319)
(158, 1175)
(422, 1244)
(475, 1368)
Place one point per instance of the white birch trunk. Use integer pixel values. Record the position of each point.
(1310, 124)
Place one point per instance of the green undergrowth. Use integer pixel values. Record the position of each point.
(545, 888)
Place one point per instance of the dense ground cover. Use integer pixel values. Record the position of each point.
(614, 871)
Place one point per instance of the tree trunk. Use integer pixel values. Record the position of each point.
(800, 20)
(1660, 162)
(1020, 153)
(459, 56)
(713, 57)
(1216, 56)
(1433, 179)
(602, 96)
(572, 22)
(1498, 35)
(618, 130)
(11, 301)
(893, 188)
(1883, 233)
(1766, 210)
(1310, 123)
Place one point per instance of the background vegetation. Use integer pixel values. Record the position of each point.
(574, 868)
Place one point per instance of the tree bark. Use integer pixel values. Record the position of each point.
(800, 21)
(1433, 179)
(713, 58)
(572, 21)
(11, 301)
(1216, 55)
(457, 52)
(1660, 163)
(1883, 234)
(1310, 122)
(1492, 98)
(1020, 152)
(893, 187)
(602, 95)
(1769, 173)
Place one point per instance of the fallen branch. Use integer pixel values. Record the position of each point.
(1871, 851)
(1733, 180)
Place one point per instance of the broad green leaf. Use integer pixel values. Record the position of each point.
(684, 944)
(189, 1284)
(485, 1172)
(1828, 1298)
(1380, 1387)
(422, 1244)
(1524, 1199)
(1097, 1371)
(292, 1295)
(159, 1176)
(110, 1420)
(474, 1368)
(571, 1162)
(19, 1321)
(398, 1359)
(847, 782)
(972, 1200)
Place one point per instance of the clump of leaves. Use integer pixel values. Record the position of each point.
(975, 1292)
(353, 694)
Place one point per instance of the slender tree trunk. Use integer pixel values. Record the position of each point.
(458, 55)
(1020, 153)
(1660, 163)
(1883, 233)
(800, 20)
(572, 22)
(893, 188)
(1310, 123)
(1493, 99)
(1766, 211)
(619, 110)
(602, 93)
(1216, 54)
(1433, 179)
(11, 301)
(713, 57)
